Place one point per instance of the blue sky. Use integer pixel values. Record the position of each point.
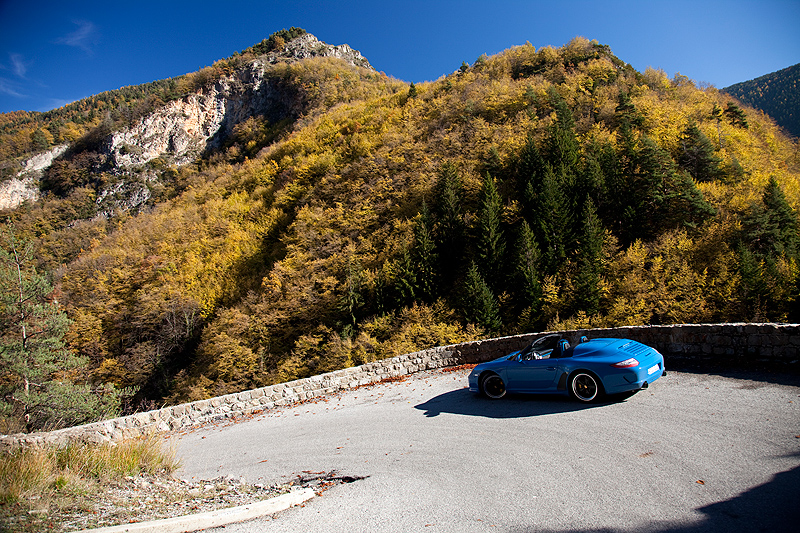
(53, 53)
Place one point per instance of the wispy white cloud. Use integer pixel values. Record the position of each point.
(18, 65)
(10, 89)
(85, 37)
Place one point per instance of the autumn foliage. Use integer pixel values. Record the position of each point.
(532, 190)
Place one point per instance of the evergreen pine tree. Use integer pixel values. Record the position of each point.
(626, 113)
(553, 223)
(734, 173)
(37, 388)
(530, 170)
(491, 243)
(401, 281)
(770, 239)
(451, 231)
(529, 293)
(753, 289)
(665, 198)
(612, 196)
(736, 116)
(562, 144)
(587, 279)
(697, 155)
(479, 303)
(686, 203)
(589, 180)
(425, 257)
(492, 163)
(771, 228)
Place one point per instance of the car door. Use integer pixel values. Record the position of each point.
(531, 374)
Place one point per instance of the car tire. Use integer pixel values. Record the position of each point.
(492, 386)
(585, 387)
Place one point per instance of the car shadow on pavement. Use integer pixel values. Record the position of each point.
(464, 402)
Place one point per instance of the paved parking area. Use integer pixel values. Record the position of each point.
(692, 453)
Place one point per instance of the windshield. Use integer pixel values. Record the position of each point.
(541, 348)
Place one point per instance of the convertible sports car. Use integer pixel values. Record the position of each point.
(587, 371)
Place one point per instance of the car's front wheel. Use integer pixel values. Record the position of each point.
(492, 386)
(585, 387)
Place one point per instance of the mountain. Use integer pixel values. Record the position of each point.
(202, 110)
(776, 94)
(289, 211)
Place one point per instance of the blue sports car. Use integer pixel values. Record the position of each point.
(587, 371)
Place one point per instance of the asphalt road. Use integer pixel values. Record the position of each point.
(692, 453)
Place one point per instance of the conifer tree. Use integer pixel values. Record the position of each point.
(529, 293)
(530, 170)
(665, 198)
(400, 281)
(769, 240)
(479, 303)
(491, 242)
(736, 116)
(451, 231)
(37, 370)
(531, 164)
(425, 257)
(562, 144)
(626, 113)
(697, 155)
(753, 288)
(587, 280)
(493, 164)
(771, 228)
(612, 186)
(554, 221)
(589, 180)
(686, 203)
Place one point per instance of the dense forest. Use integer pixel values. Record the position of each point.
(776, 94)
(535, 189)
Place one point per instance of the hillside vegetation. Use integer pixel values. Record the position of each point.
(531, 190)
(776, 94)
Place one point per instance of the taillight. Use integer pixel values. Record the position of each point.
(627, 363)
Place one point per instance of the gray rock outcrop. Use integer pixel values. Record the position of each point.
(182, 130)
(25, 186)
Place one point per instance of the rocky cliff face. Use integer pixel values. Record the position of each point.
(309, 46)
(25, 186)
(182, 130)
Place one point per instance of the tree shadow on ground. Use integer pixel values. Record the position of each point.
(770, 507)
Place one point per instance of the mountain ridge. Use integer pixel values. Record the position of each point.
(777, 94)
(184, 129)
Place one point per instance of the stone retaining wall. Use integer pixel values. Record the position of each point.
(701, 345)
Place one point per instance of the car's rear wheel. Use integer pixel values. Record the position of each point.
(492, 386)
(585, 387)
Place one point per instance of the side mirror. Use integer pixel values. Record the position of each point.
(584, 339)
